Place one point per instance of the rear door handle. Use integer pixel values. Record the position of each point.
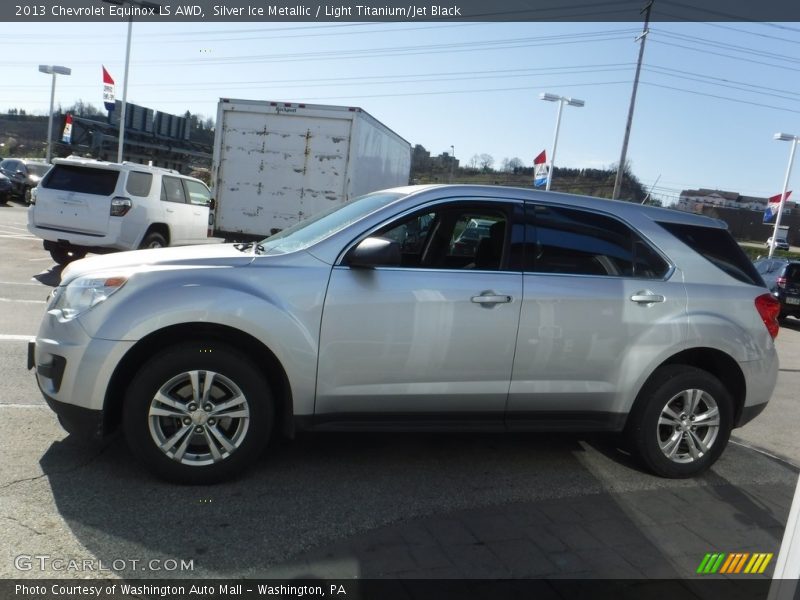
(491, 298)
(647, 297)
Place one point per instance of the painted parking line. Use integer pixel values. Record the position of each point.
(23, 301)
(5, 337)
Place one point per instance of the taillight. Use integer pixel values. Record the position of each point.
(120, 206)
(781, 282)
(769, 308)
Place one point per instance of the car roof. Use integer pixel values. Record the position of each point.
(620, 208)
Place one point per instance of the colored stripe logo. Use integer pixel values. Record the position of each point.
(734, 563)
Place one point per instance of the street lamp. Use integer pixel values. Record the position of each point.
(52, 70)
(783, 137)
(452, 161)
(127, 66)
(562, 100)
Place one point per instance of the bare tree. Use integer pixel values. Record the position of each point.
(486, 161)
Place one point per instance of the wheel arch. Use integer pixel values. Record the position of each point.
(716, 362)
(158, 340)
(161, 228)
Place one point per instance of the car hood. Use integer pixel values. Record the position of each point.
(206, 255)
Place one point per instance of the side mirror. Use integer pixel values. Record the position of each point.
(374, 252)
(212, 204)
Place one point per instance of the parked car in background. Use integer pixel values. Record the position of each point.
(580, 314)
(85, 205)
(780, 244)
(782, 277)
(24, 174)
(5, 189)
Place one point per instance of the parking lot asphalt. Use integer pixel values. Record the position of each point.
(415, 505)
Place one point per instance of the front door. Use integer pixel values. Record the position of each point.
(430, 342)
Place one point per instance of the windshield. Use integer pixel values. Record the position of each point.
(321, 225)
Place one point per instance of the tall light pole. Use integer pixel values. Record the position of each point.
(562, 100)
(127, 66)
(52, 70)
(783, 137)
(452, 161)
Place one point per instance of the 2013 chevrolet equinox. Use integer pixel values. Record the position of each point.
(571, 313)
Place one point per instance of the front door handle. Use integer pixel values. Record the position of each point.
(647, 297)
(491, 298)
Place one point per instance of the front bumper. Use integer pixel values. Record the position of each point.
(73, 372)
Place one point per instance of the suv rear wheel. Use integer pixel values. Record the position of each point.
(681, 421)
(198, 413)
(153, 240)
(63, 256)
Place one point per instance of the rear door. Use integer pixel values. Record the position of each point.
(598, 303)
(76, 198)
(430, 341)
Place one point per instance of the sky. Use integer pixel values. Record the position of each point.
(710, 98)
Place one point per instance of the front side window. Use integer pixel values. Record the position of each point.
(198, 193)
(466, 235)
(579, 242)
(172, 190)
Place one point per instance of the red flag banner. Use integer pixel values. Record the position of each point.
(108, 90)
(541, 159)
(66, 137)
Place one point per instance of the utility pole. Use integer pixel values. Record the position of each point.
(621, 165)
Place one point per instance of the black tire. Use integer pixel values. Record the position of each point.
(667, 390)
(153, 240)
(64, 256)
(27, 196)
(190, 458)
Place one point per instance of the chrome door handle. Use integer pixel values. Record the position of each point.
(647, 297)
(491, 298)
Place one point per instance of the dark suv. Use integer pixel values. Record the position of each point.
(24, 175)
(782, 277)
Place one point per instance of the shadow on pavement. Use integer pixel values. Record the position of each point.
(421, 505)
(51, 277)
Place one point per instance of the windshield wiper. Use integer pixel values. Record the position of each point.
(244, 246)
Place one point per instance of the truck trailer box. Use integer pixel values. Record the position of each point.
(276, 163)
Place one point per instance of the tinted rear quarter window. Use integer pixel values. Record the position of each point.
(139, 184)
(578, 242)
(718, 247)
(85, 180)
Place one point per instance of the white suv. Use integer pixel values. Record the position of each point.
(85, 205)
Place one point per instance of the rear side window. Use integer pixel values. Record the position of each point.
(718, 247)
(172, 190)
(578, 242)
(85, 180)
(139, 184)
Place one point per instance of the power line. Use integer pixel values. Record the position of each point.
(729, 99)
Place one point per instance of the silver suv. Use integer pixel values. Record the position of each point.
(571, 313)
(85, 205)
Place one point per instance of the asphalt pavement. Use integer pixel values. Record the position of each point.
(408, 506)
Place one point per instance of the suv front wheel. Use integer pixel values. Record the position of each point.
(681, 421)
(198, 413)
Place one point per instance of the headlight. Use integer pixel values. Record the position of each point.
(82, 293)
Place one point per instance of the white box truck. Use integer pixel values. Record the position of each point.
(276, 163)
